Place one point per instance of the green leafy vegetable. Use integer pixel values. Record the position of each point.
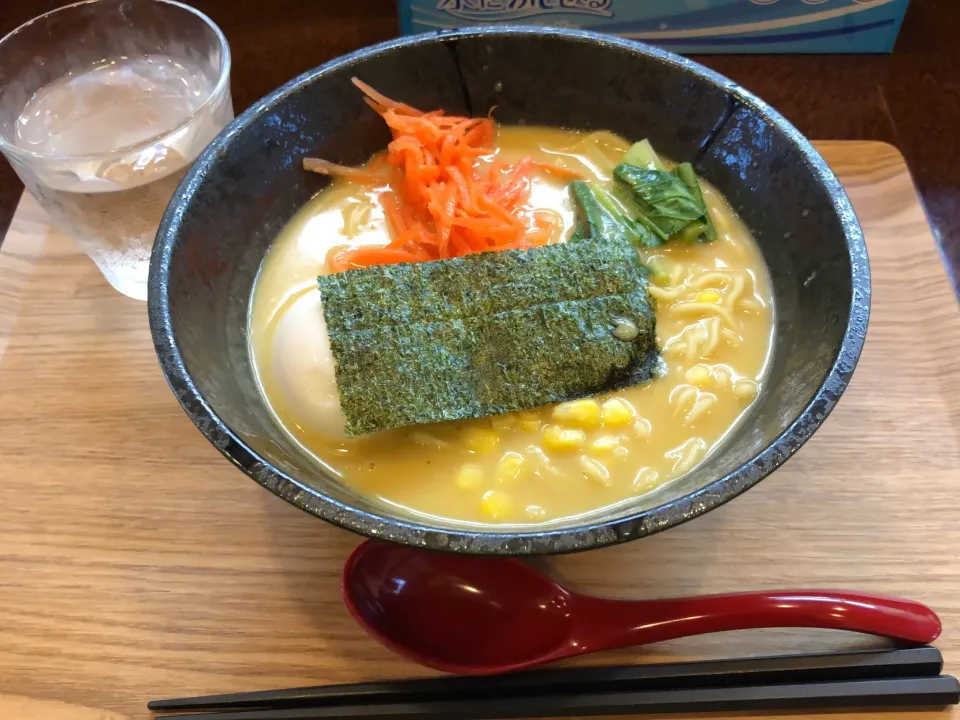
(662, 198)
(670, 204)
(702, 230)
(642, 155)
(594, 220)
(486, 334)
(600, 217)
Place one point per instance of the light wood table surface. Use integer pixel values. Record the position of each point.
(135, 563)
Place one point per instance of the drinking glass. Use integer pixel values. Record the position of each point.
(104, 104)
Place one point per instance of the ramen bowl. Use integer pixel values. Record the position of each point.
(248, 184)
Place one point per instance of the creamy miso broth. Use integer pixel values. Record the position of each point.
(714, 317)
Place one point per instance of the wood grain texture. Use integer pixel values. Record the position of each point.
(135, 563)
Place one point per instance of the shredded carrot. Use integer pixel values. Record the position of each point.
(383, 100)
(446, 196)
(325, 167)
(354, 257)
(560, 172)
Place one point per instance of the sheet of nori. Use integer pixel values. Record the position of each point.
(486, 334)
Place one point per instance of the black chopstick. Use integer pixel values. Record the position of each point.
(925, 692)
(786, 669)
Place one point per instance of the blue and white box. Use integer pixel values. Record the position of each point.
(688, 26)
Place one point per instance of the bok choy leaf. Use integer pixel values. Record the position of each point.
(670, 203)
(600, 217)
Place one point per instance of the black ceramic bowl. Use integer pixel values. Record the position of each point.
(248, 183)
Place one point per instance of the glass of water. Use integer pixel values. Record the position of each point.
(104, 105)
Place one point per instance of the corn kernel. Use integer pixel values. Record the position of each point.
(480, 439)
(495, 504)
(744, 389)
(616, 413)
(595, 470)
(469, 477)
(511, 468)
(642, 428)
(584, 414)
(645, 481)
(699, 375)
(620, 453)
(535, 512)
(708, 296)
(604, 446)
(561, 440)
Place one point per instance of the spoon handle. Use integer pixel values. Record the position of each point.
(608, 624)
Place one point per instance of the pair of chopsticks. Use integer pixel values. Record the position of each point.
(908, 678)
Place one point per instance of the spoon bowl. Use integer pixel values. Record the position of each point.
(482, 615)
(429, 606)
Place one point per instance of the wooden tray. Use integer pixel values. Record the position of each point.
(124, 576)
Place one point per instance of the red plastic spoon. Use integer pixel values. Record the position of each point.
(476, 615)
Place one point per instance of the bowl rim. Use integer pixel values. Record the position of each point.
(520, 540)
